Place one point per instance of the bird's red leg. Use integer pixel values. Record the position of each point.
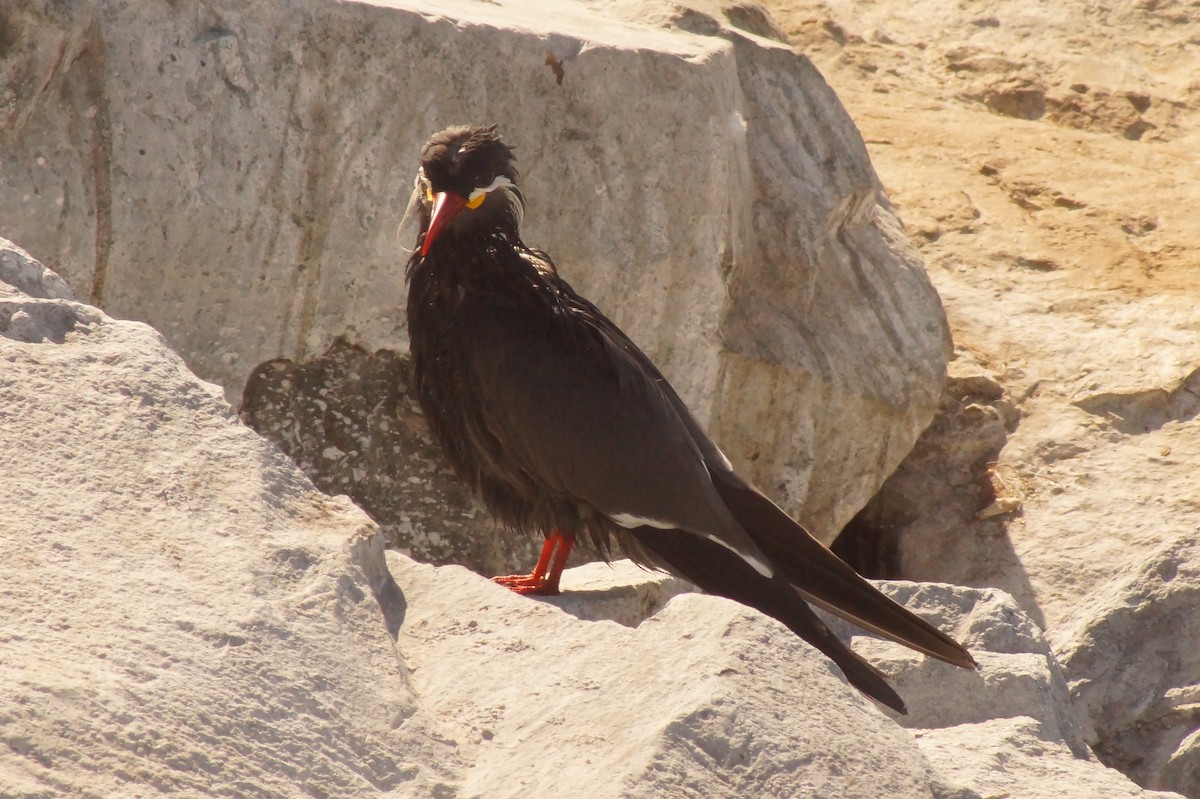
(543, 580)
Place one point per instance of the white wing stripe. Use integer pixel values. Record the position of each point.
(629, 521)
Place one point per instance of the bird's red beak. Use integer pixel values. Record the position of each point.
(446, 205)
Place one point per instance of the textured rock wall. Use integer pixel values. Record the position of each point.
(235, 175)
(346, 418)
(1043, 156)
(184, 613)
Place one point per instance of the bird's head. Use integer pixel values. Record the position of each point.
(467, 184)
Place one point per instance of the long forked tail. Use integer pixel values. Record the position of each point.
(719, 571)
(828, 582)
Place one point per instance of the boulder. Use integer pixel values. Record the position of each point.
(236, 175)
(1144, 703)
(347, 418)
(186, 613)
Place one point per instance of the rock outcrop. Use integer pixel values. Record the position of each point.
(235, 176)
(186, 613)
(348, 420)
(1043, 158)
(183, 611)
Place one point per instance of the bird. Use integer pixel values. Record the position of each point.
(563, 427)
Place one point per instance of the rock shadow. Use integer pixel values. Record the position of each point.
(941, 517)
(1138, 412)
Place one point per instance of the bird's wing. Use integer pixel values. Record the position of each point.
(826, 580)
(582, 410)
(810, 567)
(714, 458)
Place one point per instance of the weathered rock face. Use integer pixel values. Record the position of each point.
(186, 613)
(916, 522)
(1043, 155)
(183, 611)
(1050, 189)
(235, 176)
(1007, 729)
(346, 418)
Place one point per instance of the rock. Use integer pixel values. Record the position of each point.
(1145, 703)
(34, 302)
(705, 697)
(621, 591)
(1018, 674)
(1012, 757)
(1064, 250)
(760, 713)
(1143, 410)
(346, 418)
(947, 485)
(21, 273)
(186, 613)
(236, 178)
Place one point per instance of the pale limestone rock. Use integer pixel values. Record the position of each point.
(21, 273)
(1014, 757)
(1143, 702)
(760, 712)
(235, 175)
(1065, 250)
(183, 610)
(705, 697)
(621, 592)
(1018, 674)
(185, 613)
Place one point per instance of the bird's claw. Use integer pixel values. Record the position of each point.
(528, 584)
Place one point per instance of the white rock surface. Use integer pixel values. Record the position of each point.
(235, 176)
(1063, 246)
(182, 611)
(1065, 249)
(186, 614)
(704, 699)
(1013, 757)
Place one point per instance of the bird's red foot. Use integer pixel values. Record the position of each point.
(529, 584)
(543, 580)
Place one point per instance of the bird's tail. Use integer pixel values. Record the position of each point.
(719, 571)
(824, 579)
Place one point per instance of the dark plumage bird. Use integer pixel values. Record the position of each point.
(564, 427)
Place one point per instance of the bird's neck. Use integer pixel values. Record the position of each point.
(471, 257)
